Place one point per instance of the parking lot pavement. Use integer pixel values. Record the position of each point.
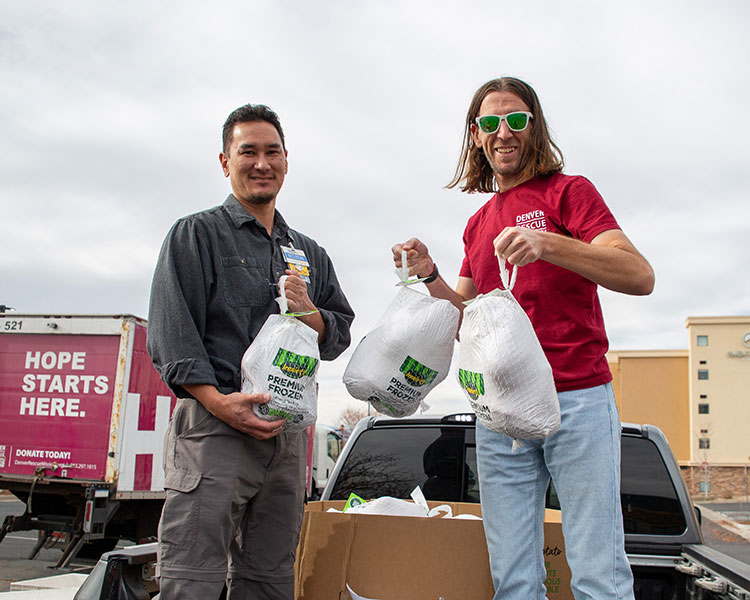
(726, 528)
(732, 519)
(737, 511)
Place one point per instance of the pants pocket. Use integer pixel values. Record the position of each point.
(179, 520)
(181, 512)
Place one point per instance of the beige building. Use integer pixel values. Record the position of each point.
(699, 398)
(652, 386)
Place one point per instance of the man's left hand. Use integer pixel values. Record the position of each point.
(296, 293)
(519, 245)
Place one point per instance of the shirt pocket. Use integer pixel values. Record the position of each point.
(244, 282)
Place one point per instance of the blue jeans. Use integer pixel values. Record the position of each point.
(583, 459)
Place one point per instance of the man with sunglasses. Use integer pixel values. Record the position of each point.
(558, 228)
(235, 483)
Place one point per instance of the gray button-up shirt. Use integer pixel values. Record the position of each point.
(214, 286)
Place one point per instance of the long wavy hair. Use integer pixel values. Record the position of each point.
(474, 172)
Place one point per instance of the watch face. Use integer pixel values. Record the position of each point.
(746, 340)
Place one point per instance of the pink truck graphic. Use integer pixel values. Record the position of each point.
(83, 415)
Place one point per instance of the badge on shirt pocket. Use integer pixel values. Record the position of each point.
(297, 261)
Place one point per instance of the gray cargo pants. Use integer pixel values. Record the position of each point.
(232, 512)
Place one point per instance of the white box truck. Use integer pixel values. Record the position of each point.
(83, 415)
(326, 447)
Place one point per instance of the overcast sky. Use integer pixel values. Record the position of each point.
(110, 118)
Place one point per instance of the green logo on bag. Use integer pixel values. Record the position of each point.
(416, 374)
(353, 500)
(473, 383)
(295, 365)
(284, 414)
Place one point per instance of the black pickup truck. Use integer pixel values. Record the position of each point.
(390, 457)
(663, 539)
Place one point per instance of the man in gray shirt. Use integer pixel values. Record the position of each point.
(235, 483)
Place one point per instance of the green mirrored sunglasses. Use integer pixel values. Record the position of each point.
(517, 121)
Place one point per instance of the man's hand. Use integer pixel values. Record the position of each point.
(236, 410)
(421, 264)
(417, 257)
(609, 260)
(295, 289)
(298, 301)
(519, 245)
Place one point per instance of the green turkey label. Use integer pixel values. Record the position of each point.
(295, 365)
(473, 383)
(264, 409)
(416, 374)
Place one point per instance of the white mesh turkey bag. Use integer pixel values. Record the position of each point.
(502, 367)
(406, 354)
(283, 361)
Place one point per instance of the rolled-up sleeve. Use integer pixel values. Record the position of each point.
(177, 310)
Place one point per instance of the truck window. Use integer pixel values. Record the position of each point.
(334, 446)
(392, 462)
(649, 500)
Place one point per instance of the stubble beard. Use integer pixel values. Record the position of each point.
(509, 171)
(505, 169)
(260, 199)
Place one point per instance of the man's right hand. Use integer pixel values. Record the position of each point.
(421, 264)
(417, 257)
(236, 410)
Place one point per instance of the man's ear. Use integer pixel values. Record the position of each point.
(224, 161)
(475, 135)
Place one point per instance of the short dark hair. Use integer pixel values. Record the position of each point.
(474, 170)
(247, 114)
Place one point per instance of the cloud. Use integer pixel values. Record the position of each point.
(111, 115)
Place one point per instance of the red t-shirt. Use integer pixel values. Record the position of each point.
(563, 306)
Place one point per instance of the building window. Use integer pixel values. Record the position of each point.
(704, 431)
(704, 443)
(703, 362)
(703, 409)
(703, 340)
(703, 396)
(702, 373)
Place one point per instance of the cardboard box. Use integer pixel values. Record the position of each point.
(407, 558)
